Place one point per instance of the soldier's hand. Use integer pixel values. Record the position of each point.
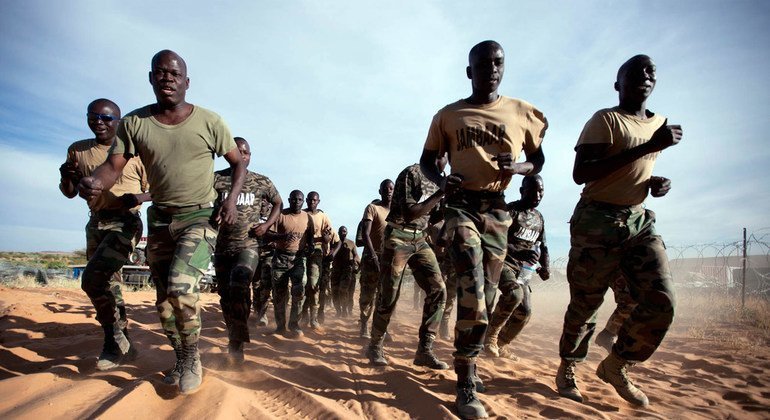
(90, 187)
(259, 230)
(505, 163)
(376, 262)
(327, 234)
(544, 273)
(69, 170)
(228, 213)
(665, 136)
(129, 201)
(659, 186)
(451, 183)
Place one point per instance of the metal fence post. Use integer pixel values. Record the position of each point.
(743, 273)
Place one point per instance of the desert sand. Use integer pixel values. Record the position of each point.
(49, 342)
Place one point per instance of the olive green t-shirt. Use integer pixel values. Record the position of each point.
(179, 158)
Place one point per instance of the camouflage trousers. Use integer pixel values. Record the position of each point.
(370, 279)
(179, 248)
(624, 305)
(450, 279)
(477, 227)
(324, 285)
(109, 242)
(513, 309)
(402, 248)
(608, 241)
(313, 287)
(288, 268)
(262, 283)
(343, 285)
(235, 271)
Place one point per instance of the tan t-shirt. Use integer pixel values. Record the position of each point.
(179, 158)
(377, 213)
(474, 134)
(298, 226)
(321, 222)
(89, 155)
(628, 185)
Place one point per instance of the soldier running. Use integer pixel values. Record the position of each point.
(316, 281)
(237, 252)
(611, 232)
(414, 198)
(372, 231)
(177, 142)
(484, 135)
(293, 238)
(113, 229)
(526, 249)
(262, 282)
(343, 280)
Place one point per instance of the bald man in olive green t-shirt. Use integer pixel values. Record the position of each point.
(177, 142)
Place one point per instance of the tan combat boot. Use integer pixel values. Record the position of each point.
(491, 347)
(613, 371)
(565, 381)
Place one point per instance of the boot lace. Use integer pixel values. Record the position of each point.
(189, 357)
(466, 392)
(569, 374)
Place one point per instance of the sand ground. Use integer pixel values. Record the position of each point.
(49, 341)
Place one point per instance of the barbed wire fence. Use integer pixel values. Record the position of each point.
(708, 265)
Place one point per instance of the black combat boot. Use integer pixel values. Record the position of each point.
(467, 403)
(192, 371)
(173, 377)
(116, 350)
(374, 352)
(425, 356)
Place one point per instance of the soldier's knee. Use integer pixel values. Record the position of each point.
(241, 275)
(94, 282)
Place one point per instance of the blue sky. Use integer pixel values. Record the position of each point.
(336, 96)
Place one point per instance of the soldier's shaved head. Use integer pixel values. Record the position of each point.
(101, 102)
(171, 55)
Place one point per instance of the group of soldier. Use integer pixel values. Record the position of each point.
(463, 243)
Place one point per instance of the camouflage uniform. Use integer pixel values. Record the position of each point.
(237, 253)
(625, 304)
(111, 236)
(477, 225)
(369, 280)
(525, 237)
(606, 239)
(342, 276)
(179, 246)
(262, 282)
(405, 243)
(369, 275)
(318, 271)
(288, 267)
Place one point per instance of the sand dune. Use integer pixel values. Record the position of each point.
(49, 341)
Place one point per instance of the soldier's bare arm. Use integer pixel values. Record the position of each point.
(228, 213)
(532, 166)
(275, 211)
(592, 163)
(103, 177)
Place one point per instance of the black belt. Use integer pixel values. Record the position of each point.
(184, 209)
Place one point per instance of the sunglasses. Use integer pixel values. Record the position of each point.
(92, 116)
